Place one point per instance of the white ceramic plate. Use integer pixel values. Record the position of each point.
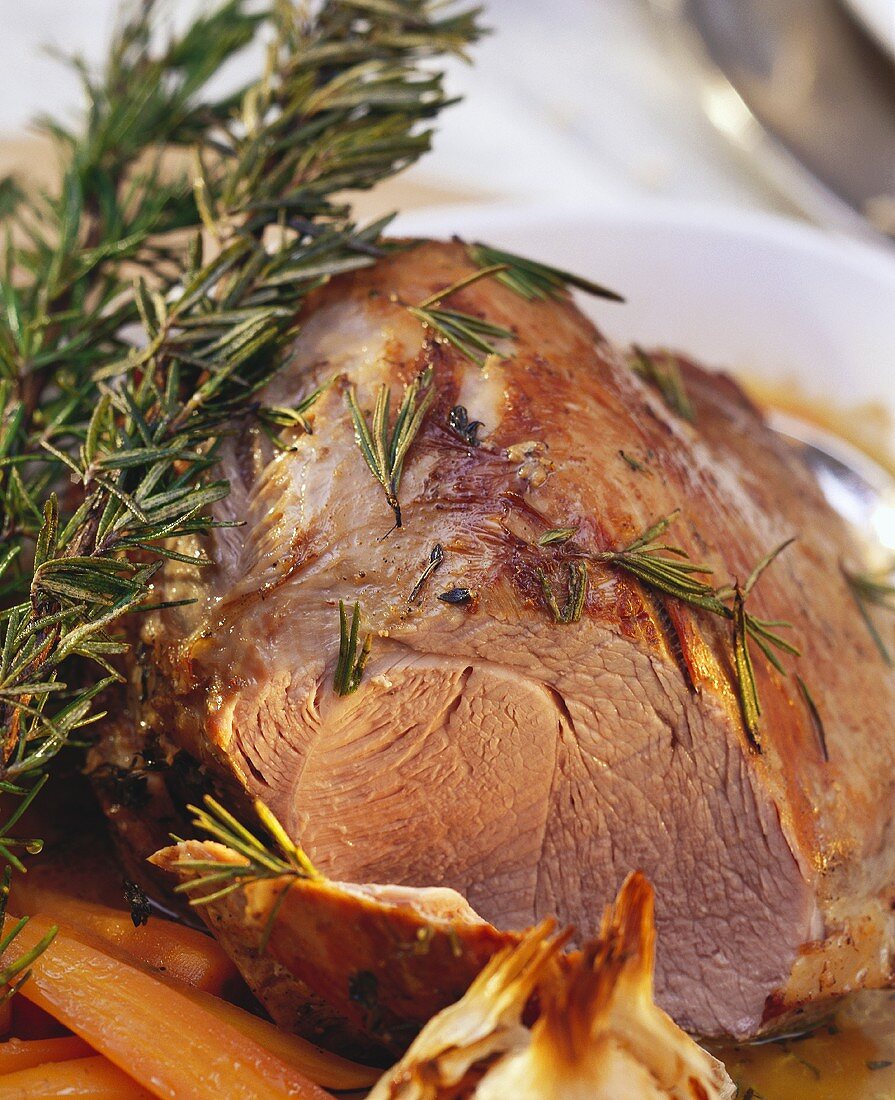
(755, 294)
(878, 16)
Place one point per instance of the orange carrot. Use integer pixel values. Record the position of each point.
(321, 1066)
(185, 953)
(16, 1054)
(93, 1077)
(163, 1039)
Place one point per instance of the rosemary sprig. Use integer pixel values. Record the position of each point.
(748, 628)
(765, 632)
(70, 256)
(385, 445)
(532, 280)
(215, 880)
(14, 975)
(750, 705)
(870, 590)
(571, 610)
(668, 569)
(472, 336)
(128, 433)
(351, 664)
(665, 375)
(282, 416)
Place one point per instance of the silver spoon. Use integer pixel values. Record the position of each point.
(860, 489)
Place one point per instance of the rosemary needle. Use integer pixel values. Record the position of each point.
(461, 284)
(532, 280)
(668, 569)
(213, 880)
(872, 590)
(557, 535)
(472, 336)
(351, 664)
(664, 374)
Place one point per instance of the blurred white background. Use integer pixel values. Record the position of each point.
(570, 99)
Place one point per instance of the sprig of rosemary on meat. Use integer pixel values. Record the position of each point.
(571, 610)
(668, 569)
(214, 879)
(662, 372)
(764, 631)
(532, 280)
(107, 449)
(383, 444)
(472, 336)
(350, 664)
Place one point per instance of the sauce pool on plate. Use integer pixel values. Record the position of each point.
(849, 1057)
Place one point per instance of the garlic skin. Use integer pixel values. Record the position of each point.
(598, 1036)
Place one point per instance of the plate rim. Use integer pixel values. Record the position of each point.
(753, 224)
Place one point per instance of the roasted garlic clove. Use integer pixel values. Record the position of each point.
(598, 1035)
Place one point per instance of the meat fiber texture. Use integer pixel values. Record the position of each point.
(531, 764)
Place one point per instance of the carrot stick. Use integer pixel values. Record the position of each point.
(321, 1066)
(163, 1039)
(93, 1077)
(185, 953)
(326, 1069)
(16, 1054)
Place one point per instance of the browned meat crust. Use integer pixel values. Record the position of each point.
(527, 763)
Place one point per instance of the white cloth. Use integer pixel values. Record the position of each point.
(570, 99)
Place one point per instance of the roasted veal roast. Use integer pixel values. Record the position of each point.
(540, 712)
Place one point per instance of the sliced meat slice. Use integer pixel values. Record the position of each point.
(356, 967)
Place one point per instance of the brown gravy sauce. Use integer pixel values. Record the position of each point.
(850, 1057)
